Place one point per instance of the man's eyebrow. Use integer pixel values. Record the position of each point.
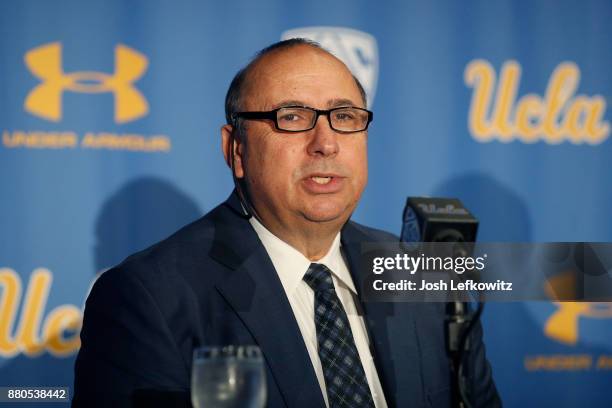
(284, 104)
(333, 103)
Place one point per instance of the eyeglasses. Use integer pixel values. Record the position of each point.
(300, 118)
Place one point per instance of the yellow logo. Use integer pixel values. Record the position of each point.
(558, 116)
(58, 333)
(45, 100)
(563, 324)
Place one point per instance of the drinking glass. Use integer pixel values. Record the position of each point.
(228, 377)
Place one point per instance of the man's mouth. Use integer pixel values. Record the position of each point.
(321, 180)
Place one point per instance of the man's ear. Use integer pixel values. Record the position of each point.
(232, 150)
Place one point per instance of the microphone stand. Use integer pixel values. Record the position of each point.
(459, 324)
(456, 322)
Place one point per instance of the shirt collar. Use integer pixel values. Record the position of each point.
(291, 265)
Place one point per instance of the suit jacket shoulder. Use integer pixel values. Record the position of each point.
(144, 317)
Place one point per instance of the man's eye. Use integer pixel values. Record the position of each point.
(289, 117)
(344, 116)
(292, 116)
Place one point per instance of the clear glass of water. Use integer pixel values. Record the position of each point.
(228, 377)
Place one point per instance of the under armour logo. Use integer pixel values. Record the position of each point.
(45, 100)
(563, 324)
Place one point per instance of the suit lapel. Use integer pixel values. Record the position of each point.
(256, 294)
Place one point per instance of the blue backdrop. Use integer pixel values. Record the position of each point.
(110, 114)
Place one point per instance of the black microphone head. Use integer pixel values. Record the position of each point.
(437, 220)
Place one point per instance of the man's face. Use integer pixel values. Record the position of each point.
(316, 176)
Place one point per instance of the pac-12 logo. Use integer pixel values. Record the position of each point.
(45, 100)
(358, 50)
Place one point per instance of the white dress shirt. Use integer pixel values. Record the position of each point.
(291, 266)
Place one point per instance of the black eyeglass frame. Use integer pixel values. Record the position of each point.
(272, 115)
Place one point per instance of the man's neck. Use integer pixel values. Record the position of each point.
(313, 240)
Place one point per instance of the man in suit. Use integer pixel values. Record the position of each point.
(276, 265)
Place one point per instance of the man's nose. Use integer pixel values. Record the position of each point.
(324, 140)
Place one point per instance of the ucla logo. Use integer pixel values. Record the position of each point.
(45, 100)
(558, 116)
(57, 333)
(358, 50)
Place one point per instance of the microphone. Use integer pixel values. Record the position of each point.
(427, 219)
(441, 220)
(437, 220)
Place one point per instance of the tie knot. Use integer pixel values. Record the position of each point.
(318, 277)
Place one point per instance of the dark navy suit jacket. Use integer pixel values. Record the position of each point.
(212, 283)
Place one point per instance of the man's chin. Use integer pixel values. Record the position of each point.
(324, 219)
(327, 215)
